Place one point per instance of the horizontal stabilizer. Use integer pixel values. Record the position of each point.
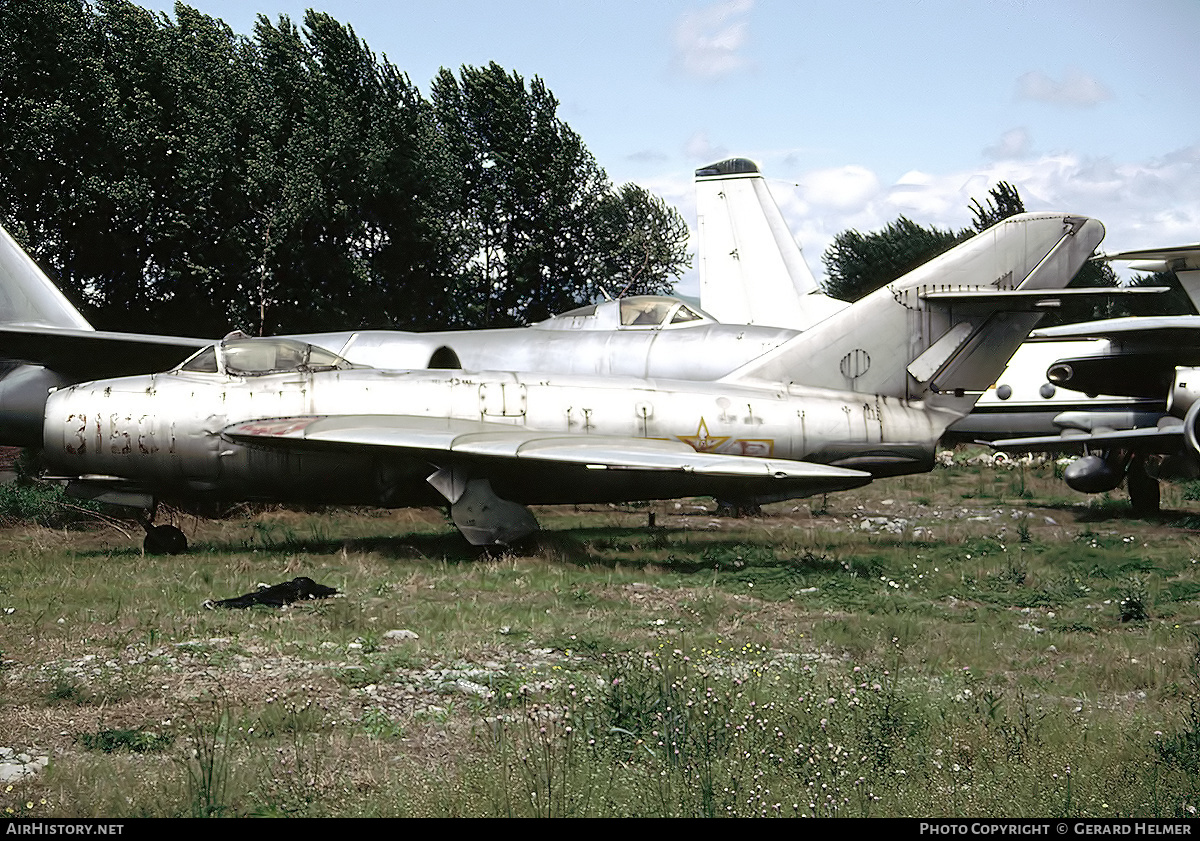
(1183, 260)
(1176, 257)
(1014, 300)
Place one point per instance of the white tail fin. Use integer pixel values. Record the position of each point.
(27, 296)
(948, 327)
(751, 269)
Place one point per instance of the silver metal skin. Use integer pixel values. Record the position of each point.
(639, 336)
(865, 393)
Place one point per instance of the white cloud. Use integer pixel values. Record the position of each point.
(701, 150)
(1142, 204)
(648, 156)
(846, 189)
(1014, 143)
(709, 41)
(1076, 88)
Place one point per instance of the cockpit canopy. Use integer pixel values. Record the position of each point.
(255, 357)
(647, 312)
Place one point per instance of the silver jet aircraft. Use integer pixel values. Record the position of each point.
(865, 392)
(1141, 357)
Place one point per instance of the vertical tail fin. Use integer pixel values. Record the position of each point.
(27, 296)
(946, 328)
(751, 269)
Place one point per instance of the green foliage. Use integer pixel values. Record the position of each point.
(960, 674)
(125, 740)
(1134, 604)
(208, 768)
(1003, 201)
(379, 725)
(65, 689)
(172, 171)
(40, 503)
(858, 264)
(1173, 302)
(649, 238)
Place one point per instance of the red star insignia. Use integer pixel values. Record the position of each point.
(702, 442)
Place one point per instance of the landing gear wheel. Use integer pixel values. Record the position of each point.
(738, 509)
(164, 540)
(1143, 489)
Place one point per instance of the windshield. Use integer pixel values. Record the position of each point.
(655, 311)
(252, 357)
(274, 356)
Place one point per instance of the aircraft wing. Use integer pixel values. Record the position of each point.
(480, 442)
(1180, 256)
(1167, 439)
(1169, 330)
(95, 354)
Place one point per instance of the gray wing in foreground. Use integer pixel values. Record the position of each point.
(1147, 439)
(479, 440)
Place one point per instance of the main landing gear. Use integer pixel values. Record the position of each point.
(164, 539)
(1144, 495)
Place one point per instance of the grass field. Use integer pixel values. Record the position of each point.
(975, 641)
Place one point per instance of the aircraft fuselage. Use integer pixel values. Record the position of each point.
(167, 432)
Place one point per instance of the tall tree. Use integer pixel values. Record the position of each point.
(536, 225)
(858, 264)
(525, 190)
(337, 183)
(1003, 201)
(173, 174)
(54, 90)
(647, 242)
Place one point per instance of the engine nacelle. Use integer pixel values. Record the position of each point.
(1184, 391)
(1190, 434)
(1093, 475)
(24, 390)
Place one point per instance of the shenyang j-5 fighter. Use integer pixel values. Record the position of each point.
(866, 392)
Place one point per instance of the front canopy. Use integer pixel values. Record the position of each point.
(254, 357)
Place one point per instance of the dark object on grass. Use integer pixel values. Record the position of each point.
(281, 595)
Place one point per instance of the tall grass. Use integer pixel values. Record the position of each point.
(1009, 653)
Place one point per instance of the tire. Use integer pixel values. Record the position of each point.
(164, 540)
(1144, 494)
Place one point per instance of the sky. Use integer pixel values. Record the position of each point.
(858, 111)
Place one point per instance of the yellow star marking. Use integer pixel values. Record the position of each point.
(702, 442)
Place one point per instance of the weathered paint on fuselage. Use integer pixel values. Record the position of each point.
(163, 431)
